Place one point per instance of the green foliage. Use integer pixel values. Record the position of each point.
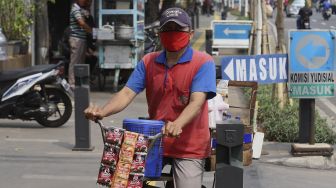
(16, 19)
(237, 13)
(281, 125)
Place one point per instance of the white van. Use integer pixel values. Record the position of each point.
(294, 7)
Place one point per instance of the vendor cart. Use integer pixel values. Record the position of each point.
(120, 38)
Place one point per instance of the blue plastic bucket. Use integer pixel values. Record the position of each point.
(247, 138)
(154, 157)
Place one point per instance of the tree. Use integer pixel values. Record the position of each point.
(42, 37)
(281, 48)
(167, 4)
(152, 11)
(279, 22)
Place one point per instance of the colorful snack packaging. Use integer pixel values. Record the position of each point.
(142, 144)
(130, 138)
(138, 164)
(128, 147)
(122, 171)
(110, 155)
(120, 183)
(123, 160)
(126, 154)
(104, 175)
(135, 181)
(114, 136)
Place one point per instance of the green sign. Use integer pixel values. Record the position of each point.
(311, 90)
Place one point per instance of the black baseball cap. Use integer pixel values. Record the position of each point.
(176, 15)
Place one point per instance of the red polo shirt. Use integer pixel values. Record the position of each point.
(168, 92)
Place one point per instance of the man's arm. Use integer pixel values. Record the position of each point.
(197, 100)
(83, 25)
(76, 12)
(117, 103)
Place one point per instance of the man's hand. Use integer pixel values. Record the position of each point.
(93, 112)
(172, 129)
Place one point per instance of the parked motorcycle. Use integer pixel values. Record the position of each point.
(152, 40)
(326, 13)
(36, 93)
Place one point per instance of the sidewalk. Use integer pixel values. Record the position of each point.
(279, 154)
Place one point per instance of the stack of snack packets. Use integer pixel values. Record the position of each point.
(121, 175)
(114, 138)
(137, 170)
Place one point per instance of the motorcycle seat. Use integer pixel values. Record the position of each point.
(7, 76)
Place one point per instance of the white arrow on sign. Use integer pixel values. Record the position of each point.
(229, 70)
(227, 31)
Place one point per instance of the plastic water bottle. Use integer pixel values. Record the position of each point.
(3, 44)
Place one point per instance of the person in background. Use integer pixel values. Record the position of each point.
(78, 35)
(326, 5)
(178, 81)
(285, 3)
(90, 57)
(304, 15)
(208, 5)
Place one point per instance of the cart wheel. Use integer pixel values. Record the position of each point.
(101, 80)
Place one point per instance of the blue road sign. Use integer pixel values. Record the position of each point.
(264, 69)
(311, 63)
(231, 33)
(223, 30)
(311, 50)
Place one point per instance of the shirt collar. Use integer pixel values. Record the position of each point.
(77, 5)
(186, 57)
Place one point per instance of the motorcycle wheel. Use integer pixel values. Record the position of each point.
(63, 108)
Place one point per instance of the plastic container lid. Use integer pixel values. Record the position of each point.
(143, 121)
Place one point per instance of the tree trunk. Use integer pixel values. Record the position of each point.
(41, 33)
(167, 4)
(265, 41)
(152, 11)
(279, 22)
(281, 48)
(251, 7)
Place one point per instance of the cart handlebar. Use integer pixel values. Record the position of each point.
(152, 139)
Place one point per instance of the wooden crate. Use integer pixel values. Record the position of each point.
(247, 157)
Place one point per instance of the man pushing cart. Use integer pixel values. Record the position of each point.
(178, 82)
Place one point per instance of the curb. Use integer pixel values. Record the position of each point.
(312, 162)
(279, 154)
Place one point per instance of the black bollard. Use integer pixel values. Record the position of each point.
(82, 91)
(229, 154)
(208, 41)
